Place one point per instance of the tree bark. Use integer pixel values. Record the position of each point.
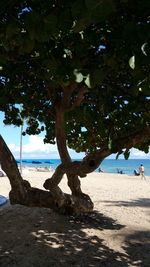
(22, 192)
(69, 204)
(10, 167)
(73, 180)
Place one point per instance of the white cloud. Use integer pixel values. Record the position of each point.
(36, 145)
(13, 148)
(135, 153)
(35, 148)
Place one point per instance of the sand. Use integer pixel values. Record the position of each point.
(116, 234)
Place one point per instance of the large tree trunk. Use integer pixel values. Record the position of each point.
(73, 170)
(73, 180)
(22, 193)
(9, 165)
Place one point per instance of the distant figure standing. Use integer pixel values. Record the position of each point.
(100, 170)
(141, 169)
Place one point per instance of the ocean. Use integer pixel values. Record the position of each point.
(108, 165)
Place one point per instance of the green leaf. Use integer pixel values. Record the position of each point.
(97, 76)
(79, 76)
(100, 9)
(87, 81)
(78, 9)
(28, 46)
(81, 24)
(110, 143)
(65, 20)
(145, 49)
(12, 29)
(132, 62)
(51, 23)
(144, 86)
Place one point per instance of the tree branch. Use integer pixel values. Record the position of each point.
(68, 91)
(133, 139)
(60, 134)
(79, 98)
(10, 167)
(22, 192)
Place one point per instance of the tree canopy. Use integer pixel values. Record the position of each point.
(80, 71)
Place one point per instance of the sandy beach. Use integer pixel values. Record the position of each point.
(116, 234)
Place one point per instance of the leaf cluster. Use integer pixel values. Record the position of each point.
(47, 48)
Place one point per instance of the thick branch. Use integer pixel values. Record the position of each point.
(93, 160)
(10, 167)
(67, 205)
(61, 135)
(22, 193)
(56, 178)
(68, 90)
(134, 139)
(73, 180)
(75, 169)
(79, 98)
(67, 102)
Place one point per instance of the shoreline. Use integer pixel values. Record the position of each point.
(108, 165)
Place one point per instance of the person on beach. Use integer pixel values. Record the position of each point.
(141, 170)
(100, 170)
(136, 173)
(119, 171)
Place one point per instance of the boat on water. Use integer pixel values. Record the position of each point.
(48, 162)
(36, 162)
(18, 161)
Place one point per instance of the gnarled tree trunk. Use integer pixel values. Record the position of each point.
(73, 180)
(22, 192)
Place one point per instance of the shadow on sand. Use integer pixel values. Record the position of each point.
(140, 202)
(137, 247)
(41, 238)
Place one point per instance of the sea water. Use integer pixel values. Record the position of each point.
(108, 165)
(126, 166)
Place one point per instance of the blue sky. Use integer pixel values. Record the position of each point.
(33, 146)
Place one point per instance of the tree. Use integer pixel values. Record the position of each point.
(80, 71)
